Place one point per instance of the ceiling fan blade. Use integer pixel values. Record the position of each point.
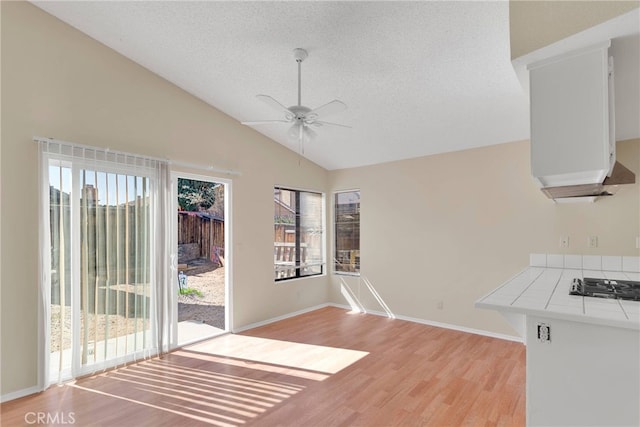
(263, 122)
(320, 123)
(327, 109)
(275, 104)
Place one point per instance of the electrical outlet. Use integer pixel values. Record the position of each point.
(440, 305)
(593, 241)
(544, 332)
(564, 242)
(637, 242)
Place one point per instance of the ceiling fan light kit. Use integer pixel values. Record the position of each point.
(300, 117)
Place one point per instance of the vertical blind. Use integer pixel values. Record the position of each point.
(105, 261)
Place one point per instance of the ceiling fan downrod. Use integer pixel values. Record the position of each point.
(300, 55)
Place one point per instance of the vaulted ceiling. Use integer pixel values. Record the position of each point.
(418, 78)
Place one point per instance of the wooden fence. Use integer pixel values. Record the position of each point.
(114, 242)
(206, 232)
(285, 233)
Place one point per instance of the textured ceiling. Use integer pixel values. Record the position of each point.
(419, 78)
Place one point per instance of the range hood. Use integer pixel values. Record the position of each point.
(619, 176)
(573, 146)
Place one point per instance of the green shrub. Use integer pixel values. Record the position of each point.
(191, 291)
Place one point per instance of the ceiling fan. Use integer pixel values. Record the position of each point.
(301, 118)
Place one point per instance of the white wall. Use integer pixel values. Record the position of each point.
(60, 83)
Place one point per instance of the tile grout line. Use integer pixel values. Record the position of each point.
(528, 286)
(622, 308)
(554, 289)
(505, 283)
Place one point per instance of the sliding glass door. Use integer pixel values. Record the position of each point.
(101, 262)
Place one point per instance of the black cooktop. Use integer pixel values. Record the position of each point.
(604, 288)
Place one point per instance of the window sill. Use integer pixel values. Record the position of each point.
(346, 273)
(296, 279)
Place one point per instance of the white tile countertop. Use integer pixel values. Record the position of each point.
(542, 289)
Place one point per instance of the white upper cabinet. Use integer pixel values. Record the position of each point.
(572, 123)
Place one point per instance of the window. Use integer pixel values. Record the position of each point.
(347, 232)
(298, 233)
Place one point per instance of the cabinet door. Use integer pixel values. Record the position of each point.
(570, 109)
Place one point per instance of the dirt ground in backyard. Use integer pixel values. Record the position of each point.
(202, 275)
(208, 278)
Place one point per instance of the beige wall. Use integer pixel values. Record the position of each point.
(58, 82)
(453, 227)
(536, 24)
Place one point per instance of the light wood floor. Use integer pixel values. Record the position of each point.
(324, 368)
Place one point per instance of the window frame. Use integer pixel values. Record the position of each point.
(297, 228)
(335, 233)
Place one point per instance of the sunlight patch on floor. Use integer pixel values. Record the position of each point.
(206, 418)
(306, 360)
(217, 398)
(190, 331)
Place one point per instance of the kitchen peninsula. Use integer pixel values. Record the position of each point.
(583, 352)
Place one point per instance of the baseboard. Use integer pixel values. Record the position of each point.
(18, 394)
(439, 324)
(276, 319)
(380, 313)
